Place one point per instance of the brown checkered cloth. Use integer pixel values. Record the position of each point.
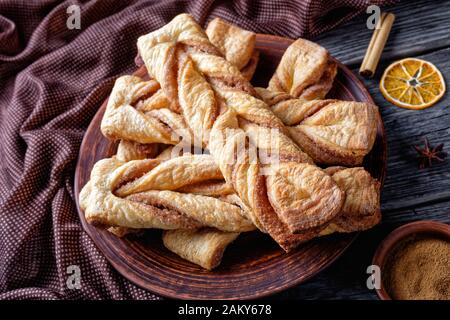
(52, 81)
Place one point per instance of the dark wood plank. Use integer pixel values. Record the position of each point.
(406, 185)
(439, 211)
(420, 26)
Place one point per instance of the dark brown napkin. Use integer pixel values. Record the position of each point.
(52, 81)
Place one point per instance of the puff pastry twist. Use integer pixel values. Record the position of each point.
(297, 197)
(204, 247)
(306, 71)
(361, 209)
(200, 175)
(319, 127)
(148, 193)
(139, 111)
(331, 132)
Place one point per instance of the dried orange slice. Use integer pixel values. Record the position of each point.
(412, 83)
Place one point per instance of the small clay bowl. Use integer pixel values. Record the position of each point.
(424, 227)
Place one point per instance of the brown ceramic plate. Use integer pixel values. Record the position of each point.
(253, 266)
(424, 227)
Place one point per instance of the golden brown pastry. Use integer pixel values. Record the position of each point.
(204, 247)
(139, 110)
(356, 178)
(237, 45)
(130, 150)
(341, 132)
(173, 174)
(361, 209)
(296, 197)
(306, 71)
(212, 188)
(330, 131)
(346, 152)
(131, 114)
(211, 103)
(104, 209)
(127, 151)
(113, 198)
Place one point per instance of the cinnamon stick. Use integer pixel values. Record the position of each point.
(376, 45)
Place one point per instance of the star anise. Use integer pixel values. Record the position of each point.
(428, 154)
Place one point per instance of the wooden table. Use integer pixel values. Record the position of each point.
(421, 29)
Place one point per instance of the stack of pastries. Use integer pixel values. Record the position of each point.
(205, 156)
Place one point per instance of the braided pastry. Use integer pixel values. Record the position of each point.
(343, 133)
(204, 201)
(361, 209)
(135, 113)
(236, 45)
(142, 194)
(329, 131)
(306, 71)
(130, 150)
(139, 111)
(204, 247)
(198, 174)
(297, 197)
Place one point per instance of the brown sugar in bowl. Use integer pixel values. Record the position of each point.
(425, 228)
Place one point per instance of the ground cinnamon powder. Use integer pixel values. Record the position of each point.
(419, 268)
